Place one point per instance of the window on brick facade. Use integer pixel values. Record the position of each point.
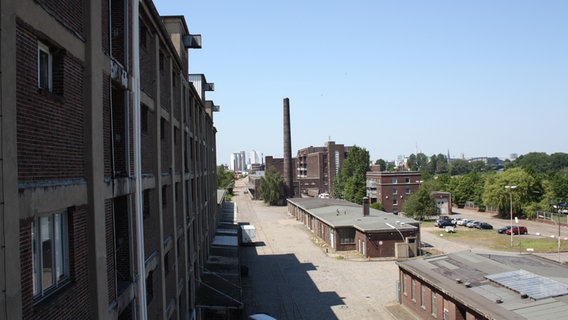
(144, 119)
(434, 307)
(413, 290)
(404, 291)
(394, 180)
(44, 67)
(146, 203)
(407, 180)
(50, 253)
(394, 191)
(423, 296)
(395, 202)
(167, 263)
(407, 191)
(346, 236)
(164, 197)
(150, 287)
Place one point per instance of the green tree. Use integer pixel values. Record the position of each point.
(225, 179)
(271, 187)
(460, 167)
(422, 205)
(377, 206)
(468, 188)
(350, 182)
(495, 194)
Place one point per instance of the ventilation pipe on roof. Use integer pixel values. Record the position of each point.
(365, 206)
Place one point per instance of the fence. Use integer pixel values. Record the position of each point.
(552, 217)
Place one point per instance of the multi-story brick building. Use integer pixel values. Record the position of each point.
(318, 166)
(107, 176)
(391, 188)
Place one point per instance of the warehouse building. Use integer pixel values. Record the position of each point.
(467, 285)
(346, 226)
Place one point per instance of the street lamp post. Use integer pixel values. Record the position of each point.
(511, 206)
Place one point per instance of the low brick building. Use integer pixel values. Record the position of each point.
(468, 286)
(345, 226)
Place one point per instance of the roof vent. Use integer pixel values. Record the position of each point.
(459, 280)
(468, 284)
(499, 300)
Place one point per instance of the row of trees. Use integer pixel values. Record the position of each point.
(540, 180)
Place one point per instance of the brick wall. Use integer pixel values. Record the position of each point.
(70, 13)
(444, 303)
(50, 125)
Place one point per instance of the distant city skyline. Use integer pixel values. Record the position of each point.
(483, 78)
(229, 160)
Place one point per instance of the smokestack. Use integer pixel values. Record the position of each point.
(288, 178)
(365, 206)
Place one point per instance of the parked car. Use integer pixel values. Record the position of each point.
(518, 230)
(504, 229)
(484, 225)
(464, 222)
(456, 221)
(472, 224)
(444, 223)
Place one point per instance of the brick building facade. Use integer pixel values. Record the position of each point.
(107, 177)
(318, 166)
(468, 286)
(391, 188)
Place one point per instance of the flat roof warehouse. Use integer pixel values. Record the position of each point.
(348, 226)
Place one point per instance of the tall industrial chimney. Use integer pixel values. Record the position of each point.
(288, 177)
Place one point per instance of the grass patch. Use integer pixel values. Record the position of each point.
(492, 240)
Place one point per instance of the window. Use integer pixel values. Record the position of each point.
(167, 263)
(434, 308)
(404, 291)
(346, 236)
(146, 203)
(164, 197)
(413, 290)
(50, 253)
(423, 296)
(394, 180)
(395, 202)
(407, 191)
(394, 191)
(44, 67)
(407, 180)
(150, 287)
(144, 119)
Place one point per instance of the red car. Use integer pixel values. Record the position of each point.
(518, 230)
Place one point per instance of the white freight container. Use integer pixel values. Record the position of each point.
(248, 234)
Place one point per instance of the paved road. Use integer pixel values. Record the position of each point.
(534, 227)
(290, 277)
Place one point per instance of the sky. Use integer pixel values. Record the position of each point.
(468, 78)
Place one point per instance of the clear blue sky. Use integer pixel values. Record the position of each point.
(478, 78)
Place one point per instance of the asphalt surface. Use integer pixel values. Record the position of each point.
(291, 276)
